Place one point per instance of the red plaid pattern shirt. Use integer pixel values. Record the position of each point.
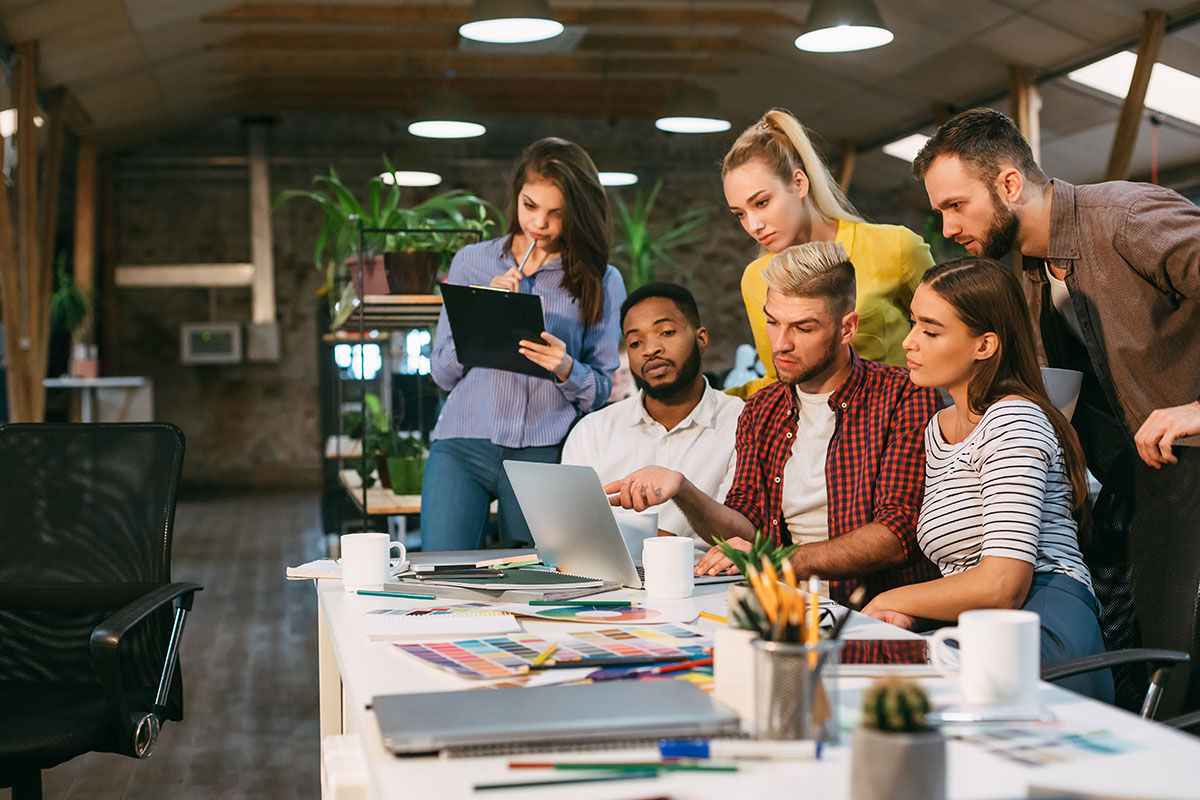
(874, 469)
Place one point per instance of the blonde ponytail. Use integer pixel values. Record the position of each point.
(784, 146)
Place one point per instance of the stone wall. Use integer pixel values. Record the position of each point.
(184, 199)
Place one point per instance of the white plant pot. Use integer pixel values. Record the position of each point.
(897, 766)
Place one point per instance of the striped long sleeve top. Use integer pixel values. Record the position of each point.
(1001, 491)
(513, 410)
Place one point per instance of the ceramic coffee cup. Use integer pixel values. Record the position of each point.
(365, 560)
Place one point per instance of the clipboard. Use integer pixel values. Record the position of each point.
(487, 325)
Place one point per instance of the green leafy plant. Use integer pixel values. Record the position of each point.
(898, 705)
(345, 214)
(642, 246)
(69, 304)
(762, 546)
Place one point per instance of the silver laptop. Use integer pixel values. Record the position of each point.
(548, 717)
(572, 523)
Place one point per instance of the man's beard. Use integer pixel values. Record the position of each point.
(683, 379)
(816, 368)
(1002, 234)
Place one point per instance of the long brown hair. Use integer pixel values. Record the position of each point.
(988, 299)
(783, 144)
(585, 220)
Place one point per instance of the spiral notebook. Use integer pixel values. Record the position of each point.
(405, 623)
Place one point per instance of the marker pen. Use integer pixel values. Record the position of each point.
(735, 749)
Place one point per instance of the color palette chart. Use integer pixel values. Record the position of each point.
(489, 658)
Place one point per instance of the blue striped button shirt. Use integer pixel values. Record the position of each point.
(513, 410)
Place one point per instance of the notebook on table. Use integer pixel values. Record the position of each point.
(515, 578)
(549, 717)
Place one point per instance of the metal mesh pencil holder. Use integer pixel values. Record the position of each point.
(795, 693)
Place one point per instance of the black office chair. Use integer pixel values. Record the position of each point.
(1165, 580)
(89, 619)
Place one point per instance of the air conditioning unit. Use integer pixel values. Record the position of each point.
(210, 343)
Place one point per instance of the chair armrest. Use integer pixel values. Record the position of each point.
(1140, 655)
(105, 647)
(1187, 722)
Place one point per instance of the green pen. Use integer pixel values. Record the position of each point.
(601, 603)
(405, 595)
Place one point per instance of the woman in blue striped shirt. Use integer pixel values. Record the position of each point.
(1003, 471)
(560, 220)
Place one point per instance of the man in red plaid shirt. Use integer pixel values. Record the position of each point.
(851, 494)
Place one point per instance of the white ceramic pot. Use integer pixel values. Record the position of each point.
(897, 766)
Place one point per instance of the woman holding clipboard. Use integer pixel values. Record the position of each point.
(557, 248)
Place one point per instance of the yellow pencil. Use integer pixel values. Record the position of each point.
(714, 617)
(789, 574)
(544, 655)
(765, 596)
(814, 600)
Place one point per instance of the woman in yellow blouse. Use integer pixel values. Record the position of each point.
(782, 193)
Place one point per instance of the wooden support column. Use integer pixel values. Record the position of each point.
(1154, 28)
(1024, 105)
(847, 171)
(48, 230)
(29, 405)
(85, 233)
(263, 288)
(10, 304)
(110, 353)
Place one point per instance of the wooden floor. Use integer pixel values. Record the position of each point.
(249, 661)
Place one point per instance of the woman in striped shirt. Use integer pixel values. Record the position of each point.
(557, 248)
(1003, 471)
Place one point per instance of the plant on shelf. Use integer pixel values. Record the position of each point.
(412, 259)
(894, 753)
(70, 312)
(642, 246)
(399, 460)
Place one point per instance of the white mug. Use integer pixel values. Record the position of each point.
(667, 561)
(999, 655)
(365, 560)
(636, 527)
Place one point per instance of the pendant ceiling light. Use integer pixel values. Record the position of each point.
(838, 26)
(692, 109)
(447, 115)
(510, 21)
(621, 178)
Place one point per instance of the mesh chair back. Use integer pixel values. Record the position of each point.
(86, 512)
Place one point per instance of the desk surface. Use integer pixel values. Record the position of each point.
(1165, 764)
(130, 382)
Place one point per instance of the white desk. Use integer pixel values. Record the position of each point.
(120, 399)
(353, 670)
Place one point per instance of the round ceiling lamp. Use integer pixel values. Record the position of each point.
(447, 115)
(618, 178)
(691, 109)
(411, 177)
(839, 26)
(510, 21)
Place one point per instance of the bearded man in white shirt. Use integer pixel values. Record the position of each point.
(676, 420)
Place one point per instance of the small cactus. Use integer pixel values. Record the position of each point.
(895, 705)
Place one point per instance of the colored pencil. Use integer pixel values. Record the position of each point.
(406, 595)
(545, 654)
(682, 665)
(619, 776)
(714, 617)
(611, 661)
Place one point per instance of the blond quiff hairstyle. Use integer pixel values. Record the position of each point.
(783, 144)
(815, 269)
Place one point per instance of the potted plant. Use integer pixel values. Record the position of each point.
(70, 310)
(400, 263)
(640, 246)
(894, 754)
(399, 460)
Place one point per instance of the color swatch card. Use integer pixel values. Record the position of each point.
(494, 657)
(633, 614)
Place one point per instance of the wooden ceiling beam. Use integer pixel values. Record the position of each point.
(259, 41)
(462, 64)
(411, 13)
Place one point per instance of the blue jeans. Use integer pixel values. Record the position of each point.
(1070, 617)
(462, 478)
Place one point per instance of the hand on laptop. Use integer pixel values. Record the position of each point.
(714, 562)
(648, 486)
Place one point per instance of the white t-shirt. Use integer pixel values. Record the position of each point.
(622, 437)
(805, 499)
(1060, 297)
(1002, 491)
